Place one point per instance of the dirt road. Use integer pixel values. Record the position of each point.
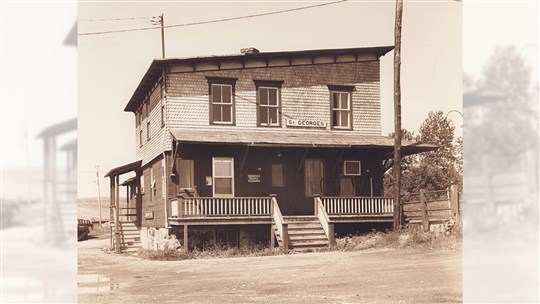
(372, 276)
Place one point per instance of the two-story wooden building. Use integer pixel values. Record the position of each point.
(263, 147)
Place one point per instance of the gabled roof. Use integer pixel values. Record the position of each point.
(157, 66)
(323, 139)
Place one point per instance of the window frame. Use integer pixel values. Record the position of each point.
(220, 81)
(344, 172)
(283, 172)
(269, 84)
(231, 176)
(162, 101)
(140, 120)
(341, 89)
(147, 105)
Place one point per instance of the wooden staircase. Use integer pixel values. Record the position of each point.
(130, 237)
(304, 233)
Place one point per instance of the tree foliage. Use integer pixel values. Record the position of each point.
(506, 123)
(434, 170)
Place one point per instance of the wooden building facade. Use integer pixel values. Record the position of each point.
(258, 142)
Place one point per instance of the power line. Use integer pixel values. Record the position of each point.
(114, 19)
(214, 21)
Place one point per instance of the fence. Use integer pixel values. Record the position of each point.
(428, 207)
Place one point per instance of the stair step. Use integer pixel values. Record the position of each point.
(296, 230)
(300, 237)
(304, 226)
(295, 245)
(299, 218)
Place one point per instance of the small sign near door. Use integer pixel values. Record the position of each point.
(254, 178)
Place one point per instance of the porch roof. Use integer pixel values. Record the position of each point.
(136, 165)
(322, 139)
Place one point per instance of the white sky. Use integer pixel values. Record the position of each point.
(111, 66)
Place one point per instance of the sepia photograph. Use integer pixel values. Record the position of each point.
(246, 152)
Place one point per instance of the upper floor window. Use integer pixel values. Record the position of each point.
(139, 125)
(222, 109)
(162, 105)
(147, 120)
(341, 107)
(268, 102)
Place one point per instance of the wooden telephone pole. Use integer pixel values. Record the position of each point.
(398, 207)
(99, 193)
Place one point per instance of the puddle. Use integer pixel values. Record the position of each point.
(94, 283)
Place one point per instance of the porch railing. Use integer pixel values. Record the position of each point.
(279, 223)
(213, 206)
(322, 215)
(358, 205)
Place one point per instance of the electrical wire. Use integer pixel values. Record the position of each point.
(113, 19)
(213, 21)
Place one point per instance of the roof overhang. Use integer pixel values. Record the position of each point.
(299, 139)
(134, 166)
(59, 128)
(155, 71)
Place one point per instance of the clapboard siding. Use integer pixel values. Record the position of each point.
(152, 199)
(159, 137)
(305, 94)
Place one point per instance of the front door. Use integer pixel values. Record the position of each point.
(314, 175)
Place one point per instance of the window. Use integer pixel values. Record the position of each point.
(351, 167)
(162, 113)
(221, 100)
(227, 237)
(223, 174)
(186, 170)
(152, 184)
(147, 121)
(142, 183)
(341, 106)
(163, 178)
(268, 102)
(162, 105)
(278, 175)
(139, 116)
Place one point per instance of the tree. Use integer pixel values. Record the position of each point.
(503, 125)
(435, 170)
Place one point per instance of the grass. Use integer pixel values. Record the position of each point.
(211, 252)
(408, 237)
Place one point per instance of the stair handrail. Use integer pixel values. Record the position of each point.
(324, 219)
(281, 226)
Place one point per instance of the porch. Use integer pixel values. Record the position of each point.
(290, 232)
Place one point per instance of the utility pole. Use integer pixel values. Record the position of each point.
(99, 193)
(156, 21)
(162, 36)
(398, 210)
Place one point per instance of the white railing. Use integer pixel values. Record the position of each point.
(212, 206)
(279, 222)
(321, 214)
(358, 205)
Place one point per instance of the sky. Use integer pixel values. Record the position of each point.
(112, 65)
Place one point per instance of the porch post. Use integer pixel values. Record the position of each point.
(454, 201)
(111, 208)
(186, 248)
(116, 214)
(315, 204)
(272, 237)
(423, 210)
(272, 233)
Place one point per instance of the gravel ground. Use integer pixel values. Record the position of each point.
(370, 276)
